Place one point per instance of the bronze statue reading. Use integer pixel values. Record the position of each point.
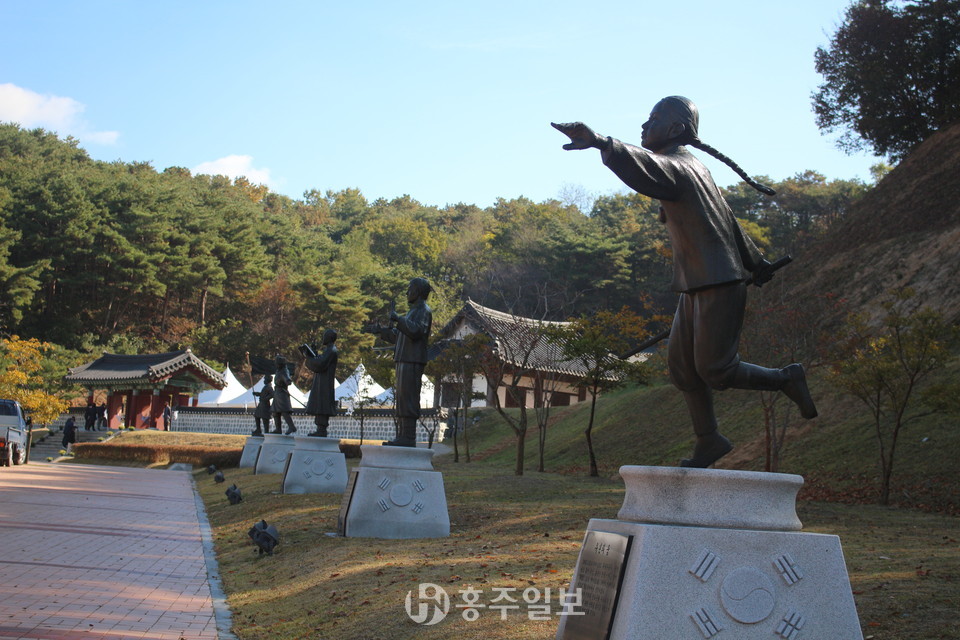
(410, 334)
(712, 261)
(321, 403)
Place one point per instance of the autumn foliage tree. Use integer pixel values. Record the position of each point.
(593, 342)
(889, 370)
(20, 363)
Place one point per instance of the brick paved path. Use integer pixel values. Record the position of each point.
(101, 553)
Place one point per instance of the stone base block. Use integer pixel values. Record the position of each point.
(394, 494)
(697, 583)
(316, 465)
(698, 554)
(251, 450)
(273, 454)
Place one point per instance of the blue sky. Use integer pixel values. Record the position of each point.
(445, 101)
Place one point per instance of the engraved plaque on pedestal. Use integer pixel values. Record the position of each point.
(599, 575)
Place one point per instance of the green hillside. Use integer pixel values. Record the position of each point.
(836, 453)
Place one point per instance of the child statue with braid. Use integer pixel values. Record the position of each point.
(713, 259)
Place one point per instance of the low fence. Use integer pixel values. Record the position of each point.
(378, 424)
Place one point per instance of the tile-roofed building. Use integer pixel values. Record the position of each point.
(518, 343)
(144, 384)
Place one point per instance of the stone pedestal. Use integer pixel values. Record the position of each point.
(251, 450)
(394, 493)
(273, 453)
(316, 465)
(700, 554)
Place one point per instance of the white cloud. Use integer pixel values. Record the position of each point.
(234, 166)
(55, 113)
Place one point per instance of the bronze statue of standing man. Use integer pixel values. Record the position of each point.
(713, 259)
(410, 334)
(321, 403)
(261, 414)
(282, 408)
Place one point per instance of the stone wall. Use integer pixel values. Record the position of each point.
(376, 427)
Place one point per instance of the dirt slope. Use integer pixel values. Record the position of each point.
(905, 232)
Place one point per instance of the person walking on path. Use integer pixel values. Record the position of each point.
(69, 434)
(90, 417)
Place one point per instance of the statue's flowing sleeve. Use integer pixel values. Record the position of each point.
(646, 173)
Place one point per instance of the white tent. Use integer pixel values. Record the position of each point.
(247, 399)
(358, 386)
(222, 397)
(427, 399)
(426, 394)
(298, 399)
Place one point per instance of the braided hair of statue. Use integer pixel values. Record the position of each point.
(685, 108)
(703, 146)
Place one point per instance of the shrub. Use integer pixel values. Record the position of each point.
(196, 455)
(350, 450)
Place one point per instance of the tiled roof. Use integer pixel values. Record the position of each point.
(148, 367)
(518, 340)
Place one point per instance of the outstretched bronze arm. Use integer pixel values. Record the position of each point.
(581, 136)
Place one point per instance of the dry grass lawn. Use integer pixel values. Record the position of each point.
(516, 533)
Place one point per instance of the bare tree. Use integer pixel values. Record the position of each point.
(785, 330)
(592, 341)
(511, 360)
(455, 368)
(546, 386)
